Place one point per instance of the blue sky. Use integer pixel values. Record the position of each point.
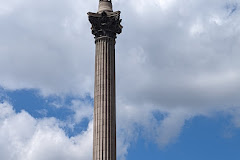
(177, 65)
(201, 137)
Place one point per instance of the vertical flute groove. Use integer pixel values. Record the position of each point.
(104, 145)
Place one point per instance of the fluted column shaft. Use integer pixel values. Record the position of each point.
(104, 136)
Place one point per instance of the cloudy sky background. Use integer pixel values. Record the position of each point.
(178, 79)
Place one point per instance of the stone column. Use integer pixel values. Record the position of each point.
(104, 139)
(105, 26)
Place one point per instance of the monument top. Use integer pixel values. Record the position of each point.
(105, 5)
(105, 23)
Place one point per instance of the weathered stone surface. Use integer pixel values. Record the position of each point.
(105, 23)
(104, 139)
(105, 26)
(105, 5)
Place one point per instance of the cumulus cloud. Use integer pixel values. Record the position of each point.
(45, 45)
(180, 60)
(22, 137)
(175, 56)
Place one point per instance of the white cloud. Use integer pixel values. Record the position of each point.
(23, 137)
(39, 50)
(165, 4)
(170, 127)
(183, 75)
(82, 110)
(196, 29)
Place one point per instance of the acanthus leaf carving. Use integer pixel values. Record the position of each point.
(105, 24)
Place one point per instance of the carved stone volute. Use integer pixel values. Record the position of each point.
(105, 24)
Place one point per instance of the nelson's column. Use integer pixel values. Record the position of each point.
(105, 26)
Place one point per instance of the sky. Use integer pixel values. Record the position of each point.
(177, 80)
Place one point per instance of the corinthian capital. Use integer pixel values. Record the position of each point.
(105, 23)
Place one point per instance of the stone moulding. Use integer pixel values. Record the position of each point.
(105, 24)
